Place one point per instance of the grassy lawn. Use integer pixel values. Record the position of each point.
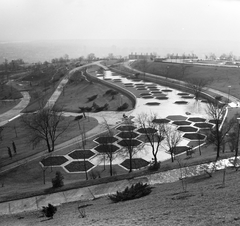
(219, 77)
(15, 131)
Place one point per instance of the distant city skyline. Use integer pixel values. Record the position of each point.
(162, 26)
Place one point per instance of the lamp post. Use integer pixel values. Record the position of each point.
(236, 152)
(229, 87)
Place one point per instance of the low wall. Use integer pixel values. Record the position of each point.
(127, 93)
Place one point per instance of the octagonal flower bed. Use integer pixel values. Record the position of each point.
(137, 163)
(129, 142)
(181, 123)
(187, 129)
(81, 154)
(54, 161)
(127, 135)
(103, 148)
(161, 120)
(180, 102)
(126, 128)
(147, 130)
(78, 166)
(176, 117)
(204, 125)
(196, 119)
(105, 140)
(153, 103)
(194, 136)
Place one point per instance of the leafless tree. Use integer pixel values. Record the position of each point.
(172, 138)
(153, 132)
(197, 85)
(45, 125)
(218, 134)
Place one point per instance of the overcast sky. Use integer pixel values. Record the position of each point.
(120, 19)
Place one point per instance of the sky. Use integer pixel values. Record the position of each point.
(213, 22)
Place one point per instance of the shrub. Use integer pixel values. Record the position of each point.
(79, 117)
(154, 167)
(111, 92)
(135, 191)
(57, 182)
(49, 210)
(92, 98)
(123, 107)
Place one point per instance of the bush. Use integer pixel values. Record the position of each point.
(154, 167)
(79, 117)
(111, 92)
(94, 174)
(92, 98)
(49, 210)
(135, 191)
(123, 107)
(57, 182)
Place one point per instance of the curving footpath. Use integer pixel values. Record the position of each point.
(15, 111)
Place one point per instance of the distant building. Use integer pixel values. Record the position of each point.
(135, 56)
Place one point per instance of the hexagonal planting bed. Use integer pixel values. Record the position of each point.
(180, 102)
(129, 142)
(194, 136)
(125, 135)
(183, 94)
(196, 119)
(54, 161)
(153, 103)
(187, 129)
(136, 163)
(147, 130)
(204, 125)
(176, 117)
(144, 94)
(187, 97)
(160, 120)
(166, 90)
(161, 98)
(181, 123)
(105, 140)
(78, 166)
(147, 97)
(126, 128)
(104, 148)
(157, 92)
(81, 154)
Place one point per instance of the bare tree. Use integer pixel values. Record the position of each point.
(197, 85)
(172, 138)
(153, 132)
(218, 134)
(45, 125)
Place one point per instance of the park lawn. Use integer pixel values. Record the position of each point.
(15, 131)
(219, 77)
(7, 105)
(76, 94)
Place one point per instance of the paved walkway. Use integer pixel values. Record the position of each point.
(5, 117)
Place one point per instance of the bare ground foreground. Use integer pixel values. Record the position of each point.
(207, 202)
